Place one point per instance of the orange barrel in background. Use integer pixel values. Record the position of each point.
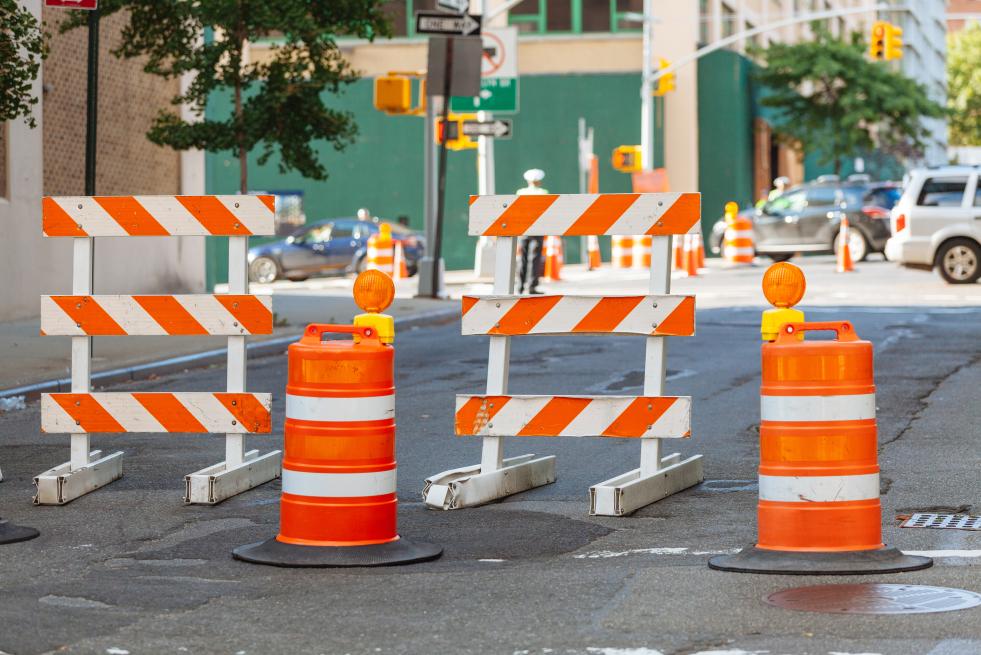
(819, 510)
(621, 248)
(642, 251)
(338, 506)
(380, 252)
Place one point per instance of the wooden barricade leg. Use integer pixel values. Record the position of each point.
(495, 477)
(87, 470)
(242, 470)
(658, 476)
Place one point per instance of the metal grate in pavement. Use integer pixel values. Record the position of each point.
(943, 521)
(874, 598)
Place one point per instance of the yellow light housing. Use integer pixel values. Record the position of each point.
(732, 208)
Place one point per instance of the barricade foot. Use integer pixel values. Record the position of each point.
(11, 534)
(214, 484)
(276, 553)
(61, 485)
(629, 492)
(468, 487)
(856, 562)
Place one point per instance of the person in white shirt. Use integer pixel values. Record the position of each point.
(532, 262)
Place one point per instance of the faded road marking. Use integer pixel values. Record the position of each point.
(606, 554)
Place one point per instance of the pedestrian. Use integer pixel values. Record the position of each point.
(532, 263)
(780, 185)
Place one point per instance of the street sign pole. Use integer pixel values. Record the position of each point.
(436, 284)
(646, 100)
(92, 102)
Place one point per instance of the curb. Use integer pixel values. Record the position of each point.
(180, 363)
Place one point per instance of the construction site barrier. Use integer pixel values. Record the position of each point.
(83, 315)
(649, 417)
(338, 506)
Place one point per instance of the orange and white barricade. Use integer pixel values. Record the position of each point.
(82, 315)
(380, 250)
(338, 506)
(621, 251)
(642, 252)
(649, 417)
(553, 258)
(737, 240)
(819, 509)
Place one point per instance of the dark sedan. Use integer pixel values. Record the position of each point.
(807, 218)
(334, 246)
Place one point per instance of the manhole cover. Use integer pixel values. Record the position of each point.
(943, 521)
(874, 599)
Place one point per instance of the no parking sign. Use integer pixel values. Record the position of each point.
(498, 74)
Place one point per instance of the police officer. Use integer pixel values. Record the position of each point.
(532, 262)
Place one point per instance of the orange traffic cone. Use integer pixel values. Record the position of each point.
(593, 249)
(399, 266)
(699, 249)
(679, 252)
(690, 257)
(553, 258)
(844, 252)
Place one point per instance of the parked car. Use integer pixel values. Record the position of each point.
(337, 246)
(937, 223)
(807, 218)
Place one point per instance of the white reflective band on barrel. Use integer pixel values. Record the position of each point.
(817, 408)
(338, 485)
(318, 408)
(819, 488)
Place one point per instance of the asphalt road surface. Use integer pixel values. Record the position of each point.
(130, 569)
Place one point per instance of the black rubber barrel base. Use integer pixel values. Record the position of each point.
(11, 534)
(856, 562)
(393, 553)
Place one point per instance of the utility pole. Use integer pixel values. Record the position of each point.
(646, 99)
(484, 256)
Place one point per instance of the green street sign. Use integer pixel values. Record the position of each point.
(497, 94)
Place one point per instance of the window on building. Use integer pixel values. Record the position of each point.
(728, 21)
(596, 16)
(756, 39)
(620, 7)
(4, 156)
(704, 21)
(942, 192)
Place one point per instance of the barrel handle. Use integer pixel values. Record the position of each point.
(315, 332)
(844, 331)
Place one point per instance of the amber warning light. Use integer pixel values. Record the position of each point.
(374, 291)
(783, 286)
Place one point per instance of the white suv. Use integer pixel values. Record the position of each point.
(937, 223)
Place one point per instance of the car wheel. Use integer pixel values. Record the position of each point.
(780, 256)
(858, 247)
(959, 261)
(263, 270)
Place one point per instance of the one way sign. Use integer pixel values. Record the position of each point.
(499, 129)
(438, 22)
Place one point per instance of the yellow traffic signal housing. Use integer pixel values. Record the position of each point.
(877, 42)
(452, 132)
(626, 159)
(393, 94)
(894, 42)
(666, 82)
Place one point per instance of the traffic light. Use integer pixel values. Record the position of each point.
(894, 42)
(393, 94)
(452, 132)
(626, 159)
(877, 43)
(665, 83)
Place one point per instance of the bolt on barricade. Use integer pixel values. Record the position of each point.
(819, 511)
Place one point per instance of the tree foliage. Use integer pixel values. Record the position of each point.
(964, 85)
(22, 48)
(834, 101)
(279, 99)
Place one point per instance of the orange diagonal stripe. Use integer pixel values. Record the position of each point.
(213, 215)
(522, 213)
(56, 222)
(269, 202)
(467, 303)
(603, 213)
(634, 420)
(554, 417)
(87, 313)
(680, 216)
(85, 409)
(477, 412)
(249, 312)
(170, 412)
(525, 315)
(131, 216)
(473, 199)
(247, 410)
(607, 314)
(170, 315)
(680, 322)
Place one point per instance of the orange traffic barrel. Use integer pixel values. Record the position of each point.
(737, 244)
(642, 251)
(621, 251)
(380, 254)
(338, 506)
(819, 510)
(11, 533)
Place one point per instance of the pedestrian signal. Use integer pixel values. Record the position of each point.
(451, 131)
(877, 44)
(393, 94)
(666, 82)
(894, 42)
(626, 159)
